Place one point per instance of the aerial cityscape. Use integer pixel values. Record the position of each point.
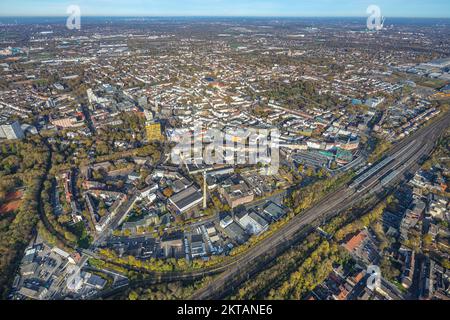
(245, 150)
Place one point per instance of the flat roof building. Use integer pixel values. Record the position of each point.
(154, 132)
(236, 233)
(11, 131)
(198, 248)
(236, 192)
(186, 199)
(172, 246)
(251, 222)
(274, 211)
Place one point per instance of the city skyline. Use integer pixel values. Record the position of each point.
(257, 8)
(241, 152)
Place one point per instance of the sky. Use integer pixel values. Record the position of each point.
(278, 8)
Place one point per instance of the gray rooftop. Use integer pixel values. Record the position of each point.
(186, 197)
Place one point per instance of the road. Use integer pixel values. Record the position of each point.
(406, 153)
(241, 268)
(125, 208)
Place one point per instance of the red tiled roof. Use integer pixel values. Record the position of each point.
(359, 276)
(355, 242)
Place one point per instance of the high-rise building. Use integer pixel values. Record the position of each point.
(148, 115)
(11, 131)
(154, 131)
(143, 102)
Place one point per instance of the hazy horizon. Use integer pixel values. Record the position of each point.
(439, 9)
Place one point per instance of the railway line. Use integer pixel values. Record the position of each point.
(231, 274)
(403, 155)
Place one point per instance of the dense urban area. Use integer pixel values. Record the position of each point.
(92, 205)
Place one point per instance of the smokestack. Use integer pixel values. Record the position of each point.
(205, 204)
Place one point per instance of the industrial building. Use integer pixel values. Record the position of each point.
(186, 199)
(236, 191)
(11, 131)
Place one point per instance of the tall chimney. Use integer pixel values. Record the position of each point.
(205, 202)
